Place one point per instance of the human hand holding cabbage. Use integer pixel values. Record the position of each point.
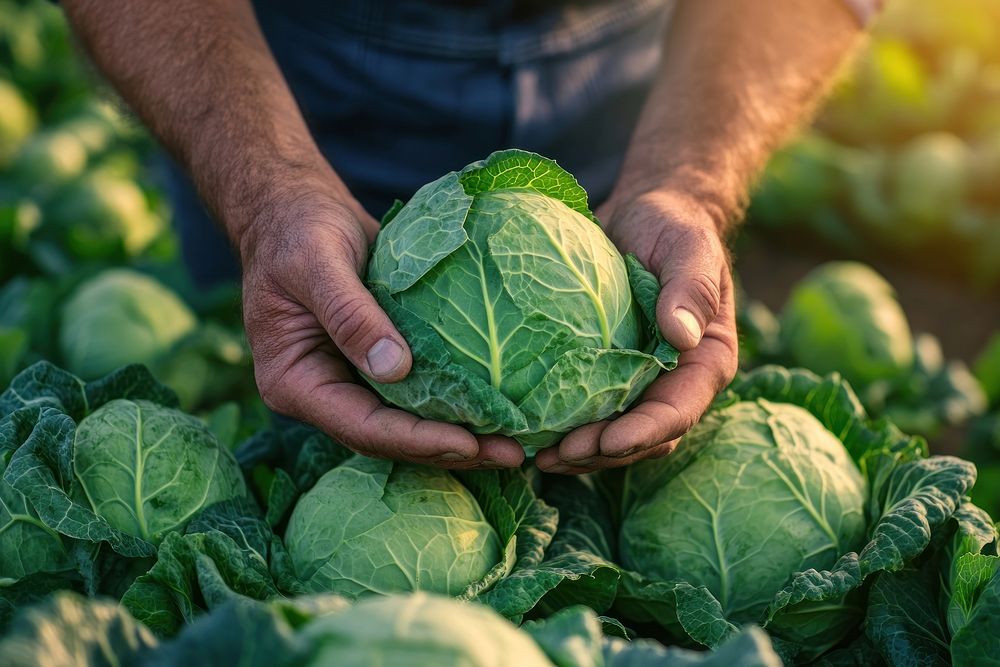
(676, 239)
(310, 322)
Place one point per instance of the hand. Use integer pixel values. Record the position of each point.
(309, 319)
(678, 241)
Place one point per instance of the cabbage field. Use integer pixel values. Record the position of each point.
(837, 505)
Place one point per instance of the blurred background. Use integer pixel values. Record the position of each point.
(871, 248)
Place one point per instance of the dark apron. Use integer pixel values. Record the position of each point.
(398, 93)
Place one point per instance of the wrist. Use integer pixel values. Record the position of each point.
(276, 195)
(651, 224)
(694, 181)
(663, 204)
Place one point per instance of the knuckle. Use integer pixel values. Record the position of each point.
(677, 421)
(346, 318)
(705, 291)
(318, 235)
(688, 419)
(350, 240)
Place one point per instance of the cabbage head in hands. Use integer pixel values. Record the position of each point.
(522, 316)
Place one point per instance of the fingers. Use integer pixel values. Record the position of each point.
(549, 460)
(309, 318)
(667, 409)
(318, 389)
(691, 286)
(675, 401)
(361, 329)
(670, 407)
(330, 287)
(497, 451)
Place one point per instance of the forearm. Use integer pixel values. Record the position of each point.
(200, 75)
(736, 79)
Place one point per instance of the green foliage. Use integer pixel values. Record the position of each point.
(987, 369)
(699, 516)
(17, 121)
(144, 526)
(844, 317)
(945, 610)
(360, 527)
(95, 475)
(437, 631)
(147, 469)
(102, 216)
(903, 160)
(70, 631)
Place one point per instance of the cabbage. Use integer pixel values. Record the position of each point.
(522, 316)
(758, 490)
(844, 317)
(366, 528)
(120, 317)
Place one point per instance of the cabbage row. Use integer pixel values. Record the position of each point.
(787, 509)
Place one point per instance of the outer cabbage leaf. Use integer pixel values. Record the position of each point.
(376, 527)
(428, 229)
(147, 469)
(195, 573)
(531, 574)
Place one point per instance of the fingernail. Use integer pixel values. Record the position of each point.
(585, 461)
(384, 357)
(453, 456)
(487, 463)
(558, 469)
(628, 452)
(689, 322)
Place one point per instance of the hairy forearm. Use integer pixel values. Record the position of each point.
(200, 75)
(737, 78)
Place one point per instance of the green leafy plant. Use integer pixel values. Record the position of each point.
(946, 609)
(522, 316)
(96, 475)
(844, 317)
(415, 630)
(401, 527)
(782, 504)
(360, 527)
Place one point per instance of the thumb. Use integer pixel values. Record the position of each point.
(359, 327)
(690, 293)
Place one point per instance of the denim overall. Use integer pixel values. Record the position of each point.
(399, 92)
